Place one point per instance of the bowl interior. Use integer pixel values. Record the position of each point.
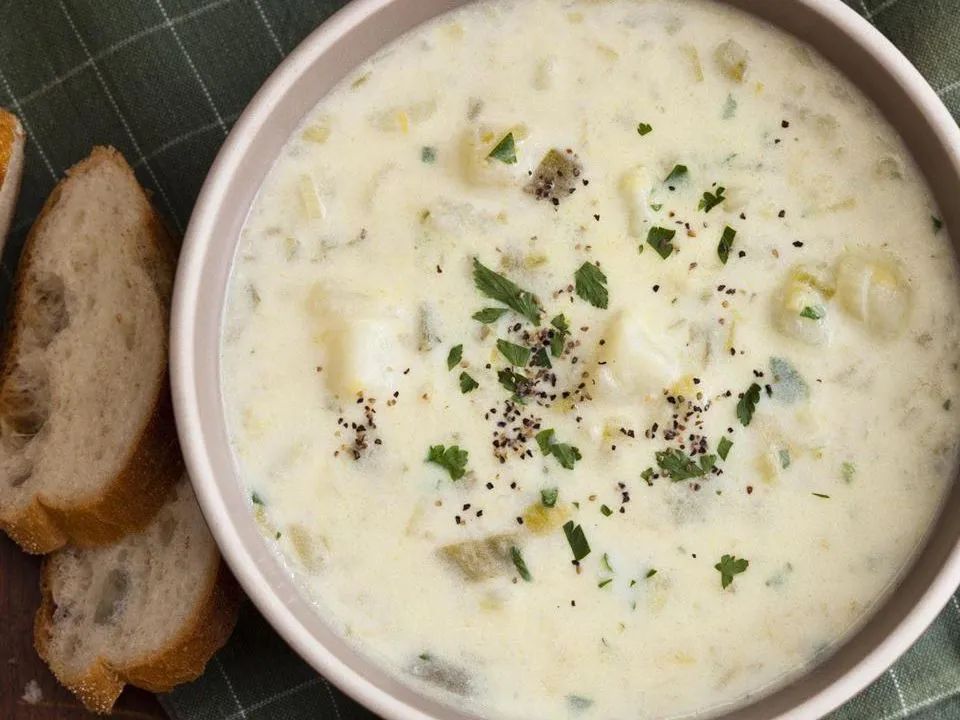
(315, 67)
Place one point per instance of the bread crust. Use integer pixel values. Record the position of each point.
(153, 463)
(183, 659)
(12, 141)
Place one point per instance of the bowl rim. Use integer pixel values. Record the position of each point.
(188, 300)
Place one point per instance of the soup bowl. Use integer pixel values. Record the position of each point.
(323, 59)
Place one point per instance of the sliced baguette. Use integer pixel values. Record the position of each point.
(88, 448)
(150, 610)
(12, 141)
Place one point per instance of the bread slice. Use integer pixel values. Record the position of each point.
(88, 448)
(150, 610)
(12, 141)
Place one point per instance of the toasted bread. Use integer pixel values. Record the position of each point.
(12, 141)
(88, 448)
(150, 610)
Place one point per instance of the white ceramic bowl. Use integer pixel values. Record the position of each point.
(325, 57)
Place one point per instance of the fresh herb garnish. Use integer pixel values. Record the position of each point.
(650, 573)
(726, 243)
(428, 154)
(710, 200)
(784, 459)
(467, 383)
(605, 563)
(730, 566)
(516, 354)
(489, 315)
(519, 563)
(729, 108)
(813, 312)
(256, 499)
(558, 341)
(454, 356)
(656, 207)
(659, 239)
(452, 459)
(496, 287)
(678, 466)
(821, 495)
(607, 512)
(644, 129)
(647, 475)
(604, 583)
(566, 455)
(679, 172)
(579, 703)
(723, 447)
(541, 359)
(748, 404)
(576, 538)
(937, 223)
(848, 470)
(592, 285)
(548, 496)
(505, 150)
(512, 380)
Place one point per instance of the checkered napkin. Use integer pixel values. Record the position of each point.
(163, 81)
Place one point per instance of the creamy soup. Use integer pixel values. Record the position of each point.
(594, 359)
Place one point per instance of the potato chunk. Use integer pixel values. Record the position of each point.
(630, 365)
(479, 167)
(801, 307)
(872, 289)
(635, 187)
(732, 60)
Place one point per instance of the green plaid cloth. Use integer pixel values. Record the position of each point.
(163, 81)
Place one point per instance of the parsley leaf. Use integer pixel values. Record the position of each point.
(723, 447)
(505, 151)
(659, 239)
(489, 315)
(591, 285)
(710, 200)
(728, 567)
(677, 465)
(548, 496)
(496, 287)
(726, 243)
(650, 573)
(467, 383)
(256, 499)
(644, 129)
(747, 404)
(516, 354)
(452, 459)
(520, 564)
(821, 495)
(540, 359)
(566, 455)
(558, 341)
(511, 380)
(607, 512)
(679, 172)
(813, 312)
(604, 583)
(454, 356)
(428, 154)
(576, 538)
(937, 223)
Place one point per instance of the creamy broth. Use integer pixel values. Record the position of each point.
(594, 359)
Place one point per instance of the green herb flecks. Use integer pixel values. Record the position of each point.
(256, 499)
(711, 199)
(515, 354)
(659, 239)
(748, 404)
(847, 471)
(729, 567)
(784, 459)
(451, 459)
(467, 383)
(505, 150)
(592, 285)
(541, 359)
(489, 315)
(578, 703)
(726, 243)
(566, 455)
(937, 223)
(607, 512)
(496, 287)
(428, 154)
(821, 495)
(519, 563)
(513, 381)
(558, 340)
(548, 496)
(729, 107)
(647, 475)
(644, 129)
(679, 466)
(813, 312)
(723, 447)
(605, 563)
(650, 573)
(678, 173)
(576, 538)
(454, 356)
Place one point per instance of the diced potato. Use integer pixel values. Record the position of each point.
(732, 59)
(635, 187)
(872, 289)
(693, 58)
(545, 74)
(400, 119)
(801, 307)
(481, 169)
(481, 559)
(366, 345)
(312, 206)
(630, 364)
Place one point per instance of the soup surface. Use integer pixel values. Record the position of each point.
(594, 359)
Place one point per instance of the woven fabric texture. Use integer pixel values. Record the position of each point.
(163, 81)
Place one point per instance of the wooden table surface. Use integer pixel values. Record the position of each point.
(19, 663)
